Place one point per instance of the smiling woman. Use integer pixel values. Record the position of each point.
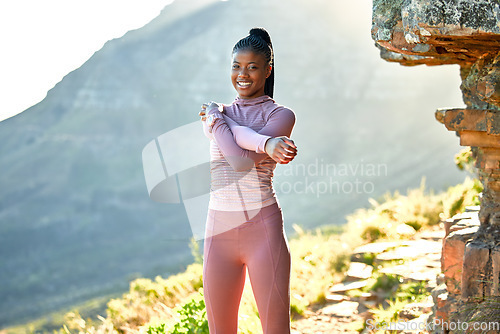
(49, 39)
(244, 229)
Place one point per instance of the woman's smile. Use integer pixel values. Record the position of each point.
(244, 84)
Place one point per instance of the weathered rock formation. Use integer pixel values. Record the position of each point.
(467, 33)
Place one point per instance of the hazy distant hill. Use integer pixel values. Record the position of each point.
(75, 217)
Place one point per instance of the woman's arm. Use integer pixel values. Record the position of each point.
(239, 159)
(206, 130)
(280, 123)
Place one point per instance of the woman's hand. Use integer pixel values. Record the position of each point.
(281, 149)
(203, 112)
(207, 106)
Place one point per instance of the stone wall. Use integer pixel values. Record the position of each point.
(467, 33)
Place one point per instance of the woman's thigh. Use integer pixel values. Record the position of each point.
(223, 279)
(268, 259)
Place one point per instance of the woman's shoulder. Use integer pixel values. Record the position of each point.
(229, 107)
(281, 111)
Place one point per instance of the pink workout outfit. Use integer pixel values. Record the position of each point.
(245, 225)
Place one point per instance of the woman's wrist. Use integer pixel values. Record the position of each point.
(267, 146)
(213, 107)
(212, 115)
(214, 111)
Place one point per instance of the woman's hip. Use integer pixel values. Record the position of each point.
(235, 222)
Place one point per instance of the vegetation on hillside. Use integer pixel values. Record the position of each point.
(175, 304)
(319, 259)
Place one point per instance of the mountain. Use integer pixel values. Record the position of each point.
(75, 217)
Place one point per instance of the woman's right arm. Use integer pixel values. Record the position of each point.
(271, 139)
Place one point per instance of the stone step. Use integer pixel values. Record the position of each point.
(347, 286)
(359, 270)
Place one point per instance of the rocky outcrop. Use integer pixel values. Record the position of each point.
(436, 32)
(459, 232)
(467, 33)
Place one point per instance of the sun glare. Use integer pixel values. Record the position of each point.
(42, 41)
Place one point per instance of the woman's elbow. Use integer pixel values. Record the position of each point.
(240, 164)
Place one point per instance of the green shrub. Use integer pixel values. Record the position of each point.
(415, 224)
(296, 310)
(193, 318)
(340, 263)
(372, 233)
(464, 160)
(156, 329)
(385, 315)
(412, 291)
(369, 258)
(386, 283)
(402, 294)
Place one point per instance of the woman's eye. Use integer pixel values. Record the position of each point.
(235, 67)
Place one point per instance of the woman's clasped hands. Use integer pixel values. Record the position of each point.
(281, 149)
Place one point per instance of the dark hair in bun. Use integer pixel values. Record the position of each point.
(259, 42)
(262, 33)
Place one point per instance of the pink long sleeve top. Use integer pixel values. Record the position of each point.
(241, 171)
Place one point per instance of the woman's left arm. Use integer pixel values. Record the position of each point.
(272, 139)
(280, 123)
(217, 129)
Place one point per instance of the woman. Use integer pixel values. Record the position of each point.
(244, 224)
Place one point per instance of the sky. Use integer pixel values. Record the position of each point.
(42, 41)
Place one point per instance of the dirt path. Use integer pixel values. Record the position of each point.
(343, 317)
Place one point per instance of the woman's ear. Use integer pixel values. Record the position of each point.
(269, 69)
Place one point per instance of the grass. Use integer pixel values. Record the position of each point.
(319, 259)
(396, 295)
(418, 208)
(483, 314)
(55, 320)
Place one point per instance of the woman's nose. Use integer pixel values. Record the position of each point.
(243, 72)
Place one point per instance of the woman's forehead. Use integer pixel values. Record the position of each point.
(248, 56)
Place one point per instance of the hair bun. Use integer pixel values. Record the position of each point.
(262, 33)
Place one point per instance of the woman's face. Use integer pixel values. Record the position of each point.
(249, 73)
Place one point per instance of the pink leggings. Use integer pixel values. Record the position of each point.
(234, 242)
